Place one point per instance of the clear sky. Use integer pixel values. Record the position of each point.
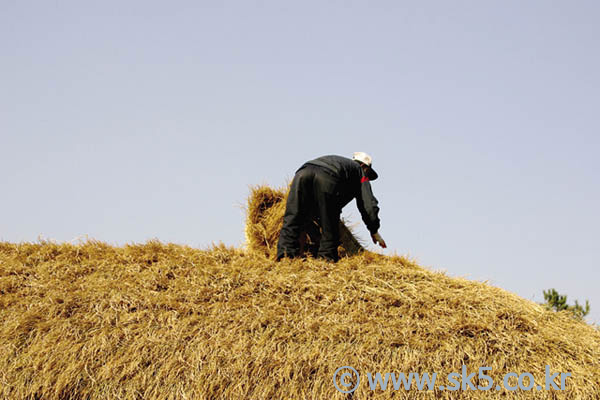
(132, 120)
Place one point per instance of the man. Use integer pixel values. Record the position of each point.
(319, 190)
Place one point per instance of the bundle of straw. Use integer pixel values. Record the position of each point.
(265, 210)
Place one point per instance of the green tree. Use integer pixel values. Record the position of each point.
(558, 302)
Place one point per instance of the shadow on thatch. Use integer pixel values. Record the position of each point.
(264, 219)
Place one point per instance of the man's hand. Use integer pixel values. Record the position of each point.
(378, 239)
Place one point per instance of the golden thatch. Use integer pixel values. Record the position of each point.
(163, 321)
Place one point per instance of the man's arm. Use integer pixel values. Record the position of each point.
(368, 206)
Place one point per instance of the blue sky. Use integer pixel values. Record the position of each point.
(126, 121)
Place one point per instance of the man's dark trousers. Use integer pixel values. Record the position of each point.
(313, 195)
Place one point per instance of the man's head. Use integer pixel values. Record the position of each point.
(366, 163)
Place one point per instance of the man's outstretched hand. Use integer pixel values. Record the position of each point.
(377, 239)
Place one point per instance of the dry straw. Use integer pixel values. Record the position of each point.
(264, 219)
(163, 321)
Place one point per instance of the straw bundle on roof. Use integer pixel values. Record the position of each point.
(265, 210)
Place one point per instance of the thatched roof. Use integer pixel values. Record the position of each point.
(163, 321)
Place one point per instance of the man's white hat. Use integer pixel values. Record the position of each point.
(368, 161)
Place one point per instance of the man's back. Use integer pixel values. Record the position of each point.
(345, 169)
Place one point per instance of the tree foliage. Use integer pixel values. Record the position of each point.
(558, 302)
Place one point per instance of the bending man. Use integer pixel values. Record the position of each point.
(319, 190)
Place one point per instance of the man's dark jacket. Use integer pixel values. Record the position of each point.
(352, 184)
(321, 188)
